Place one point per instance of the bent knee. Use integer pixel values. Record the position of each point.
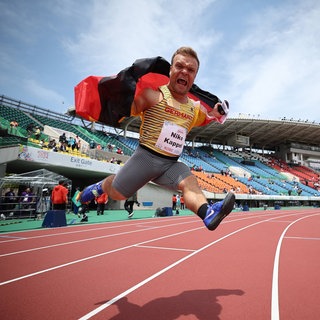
(116, 195)
(112, 192)
(190, 182)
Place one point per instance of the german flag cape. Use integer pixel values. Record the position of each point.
(108, 99)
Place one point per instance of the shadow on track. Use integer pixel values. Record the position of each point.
(202, 304)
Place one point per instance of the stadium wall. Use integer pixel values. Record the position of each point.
(84, 171)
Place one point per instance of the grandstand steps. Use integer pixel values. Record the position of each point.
(239, 172)
(291, 177)
(218, 183)
(34, 120)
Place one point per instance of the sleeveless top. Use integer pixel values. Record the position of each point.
(166, 124)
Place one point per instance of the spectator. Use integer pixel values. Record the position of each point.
(59, 196)
(101, 202)
(13, 126)
(30, 128)
(42, 143)
(77, 144)
(76, 203)
(53, 145)
(37, 133)
(174, 202)
(92, 144)
(70, 142)
(63, 138)
(26, 199)
(25, 196)
(182, 202)
(43, 203)
(128, 204)
(10, 198)
(178, 205)
(63, 147)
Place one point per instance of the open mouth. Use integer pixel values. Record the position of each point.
(182, 82)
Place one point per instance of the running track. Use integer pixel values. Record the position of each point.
(255, 266)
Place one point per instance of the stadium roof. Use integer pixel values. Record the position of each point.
(262, 133)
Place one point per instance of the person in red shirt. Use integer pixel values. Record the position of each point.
(101, 202)
(174, 202)
(59, 196)
(182, 201)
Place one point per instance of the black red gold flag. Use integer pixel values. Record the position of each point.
(108, 99)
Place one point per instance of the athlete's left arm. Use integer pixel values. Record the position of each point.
(219, 112)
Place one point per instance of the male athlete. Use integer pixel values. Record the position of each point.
(168, 114)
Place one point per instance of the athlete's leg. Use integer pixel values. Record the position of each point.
(119, 186)
(112, 192)
(136, 172)
(212, 215)
(179, 177)
(193, 195)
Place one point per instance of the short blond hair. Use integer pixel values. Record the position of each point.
(186, 51)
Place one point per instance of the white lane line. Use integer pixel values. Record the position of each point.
(94, 256)
(11, 238)
(96, 238)
(87, 239)
(144, 226)
(58, 234)
(105, 253)
(70, 242)
(275, 315)
(164, 248)
(281, 221)
(120, 224)
(127, 247)
(142, 283)
(302, 238)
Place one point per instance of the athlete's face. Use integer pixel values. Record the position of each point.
(183, 72)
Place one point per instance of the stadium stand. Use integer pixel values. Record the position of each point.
(262, 175)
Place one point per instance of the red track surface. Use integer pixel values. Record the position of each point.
(256, 265)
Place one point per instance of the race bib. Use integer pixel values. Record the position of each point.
(172, 138)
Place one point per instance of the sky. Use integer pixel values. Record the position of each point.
(262, 56)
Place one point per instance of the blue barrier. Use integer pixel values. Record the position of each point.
(54, 218)
(147, 204)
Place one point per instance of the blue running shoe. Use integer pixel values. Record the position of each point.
(91, 192)
(218, 211)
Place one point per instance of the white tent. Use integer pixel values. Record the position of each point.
(41, 182)
(37, 180)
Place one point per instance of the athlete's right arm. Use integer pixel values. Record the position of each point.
(145, 100)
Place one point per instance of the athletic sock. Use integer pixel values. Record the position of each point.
(202, 211)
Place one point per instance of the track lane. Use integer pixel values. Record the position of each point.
(221, 271)
(299, 267)
(69, 253)
(138, 262)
